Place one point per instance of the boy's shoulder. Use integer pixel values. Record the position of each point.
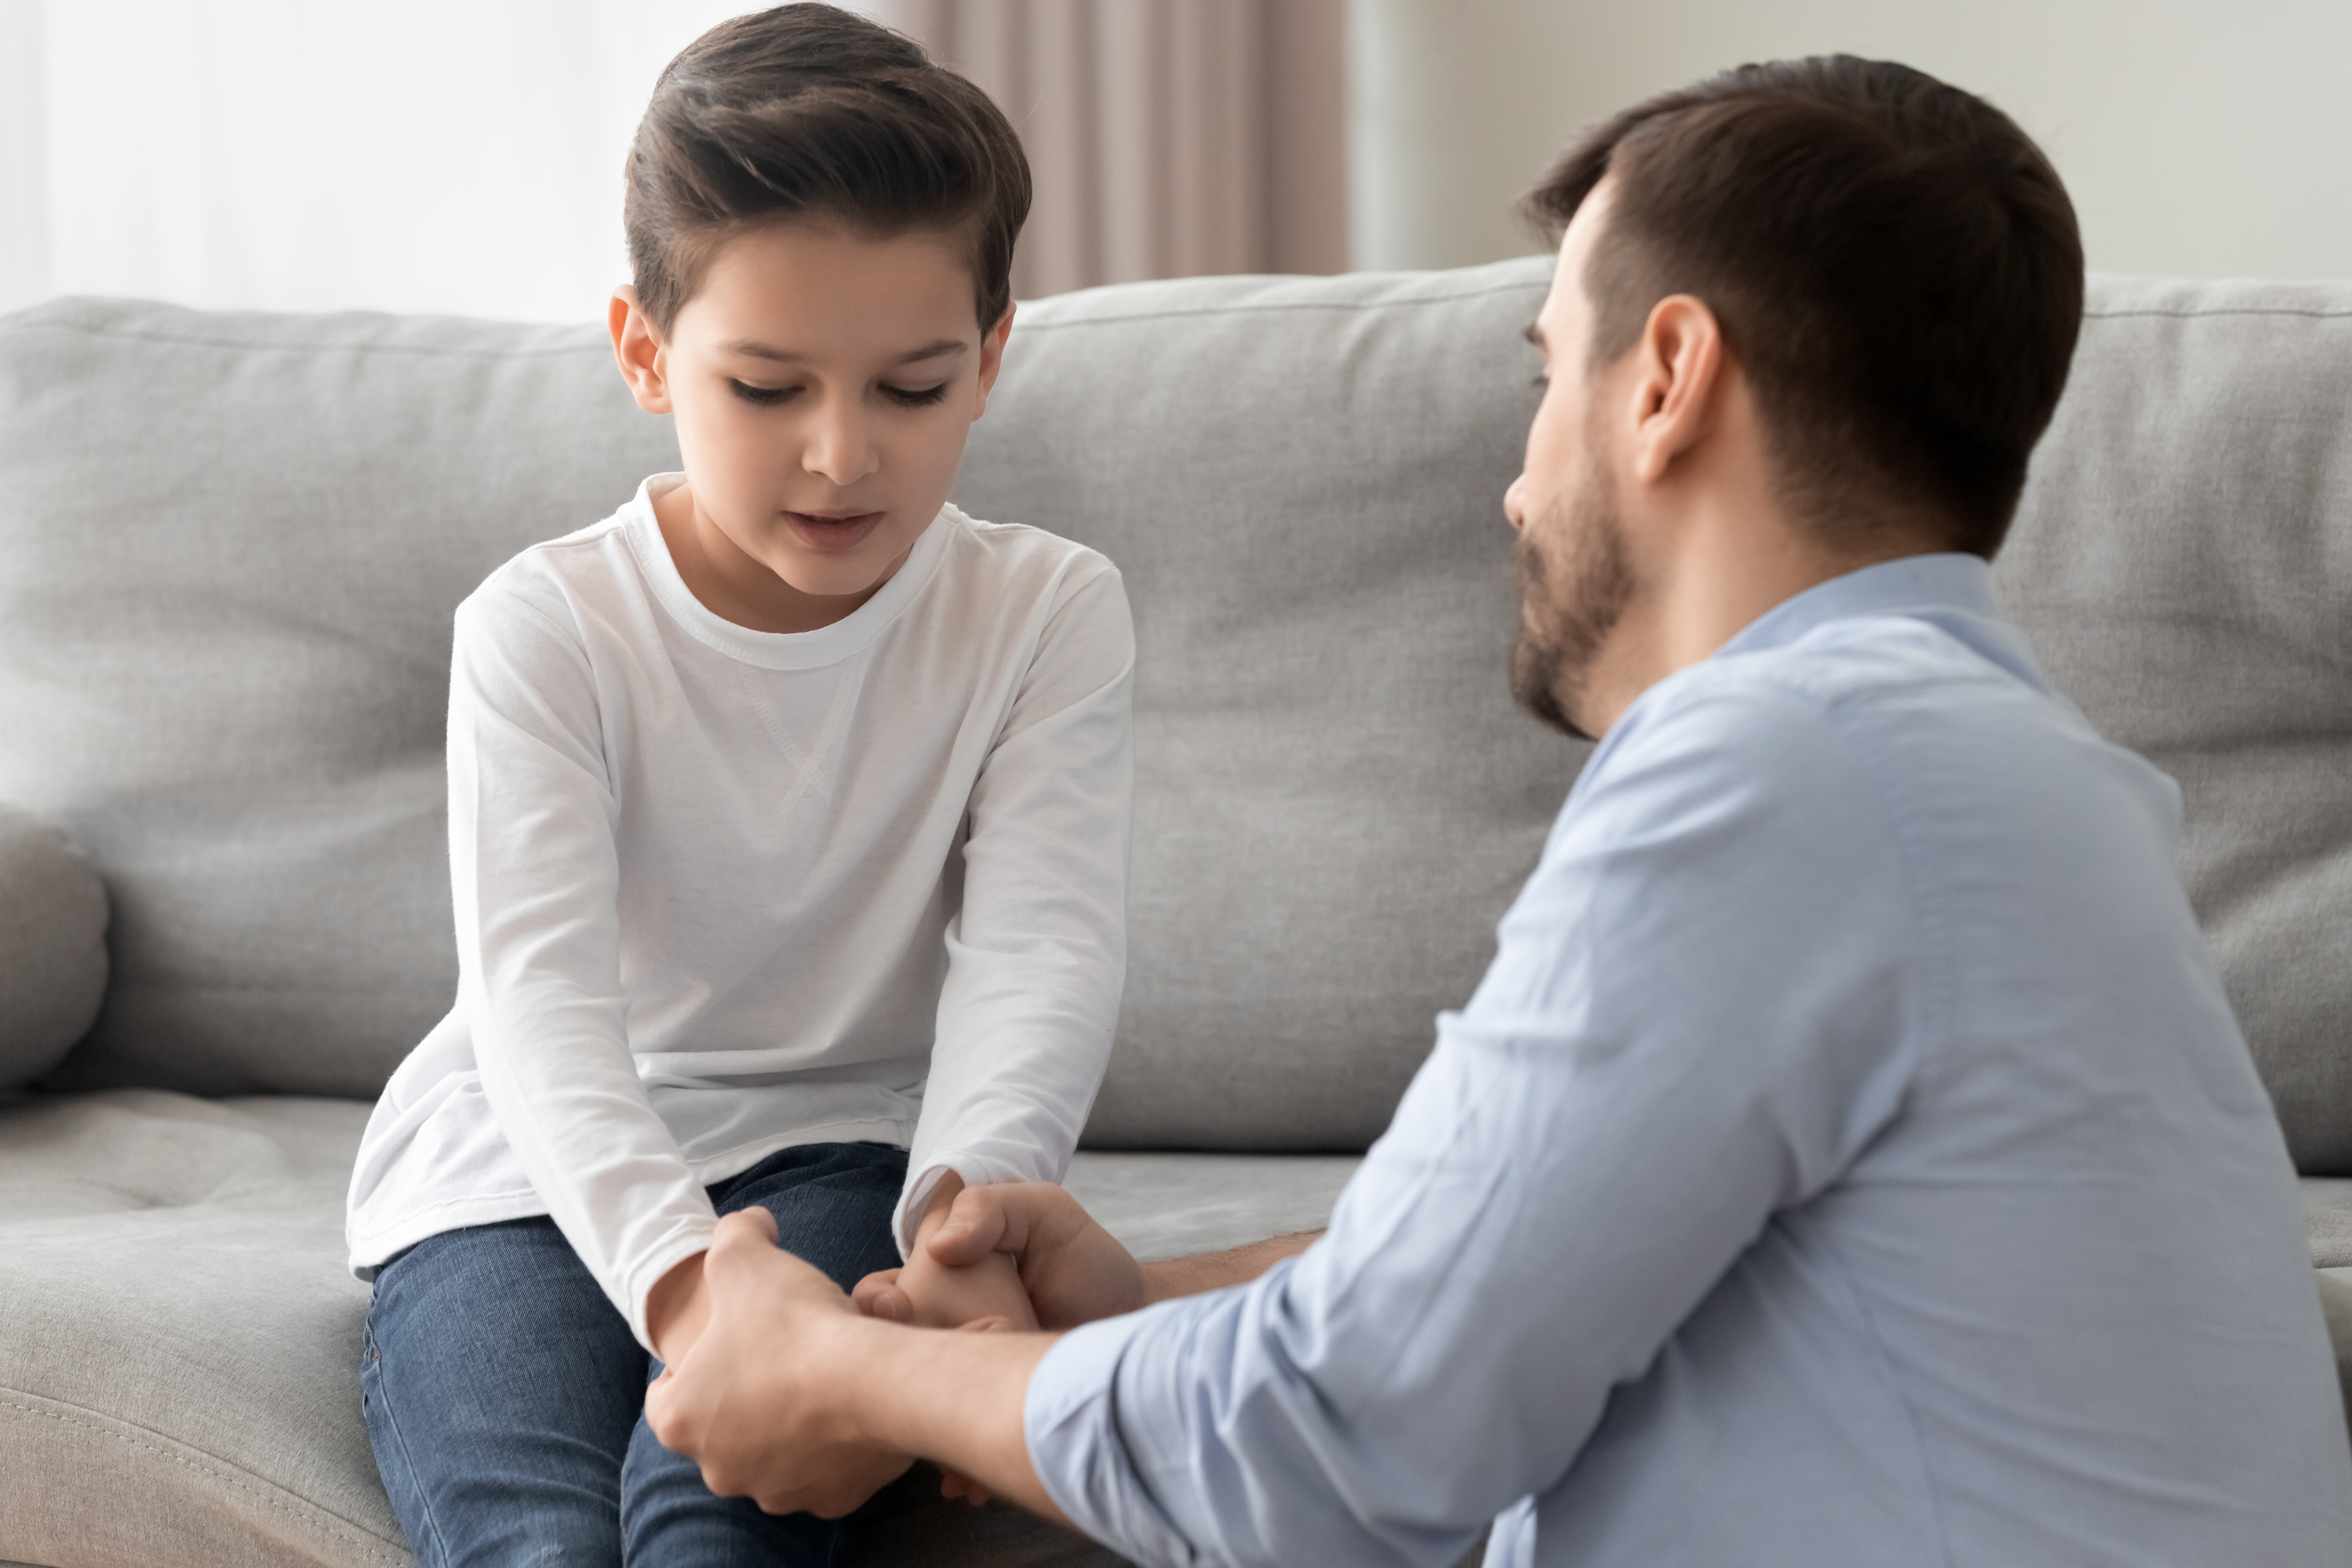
(553, 575)
(1017, 555)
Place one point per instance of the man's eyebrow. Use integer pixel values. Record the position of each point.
(939, 350)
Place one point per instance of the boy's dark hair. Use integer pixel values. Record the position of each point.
(1893, 263)
(807, 111)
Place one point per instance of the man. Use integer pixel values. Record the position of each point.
(1849, 1158)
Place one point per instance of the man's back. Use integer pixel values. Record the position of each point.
(1850, 1159)
(2042, 1295)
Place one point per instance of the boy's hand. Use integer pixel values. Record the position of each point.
(1072, 1271)
(677, 1309)
(933, 1293)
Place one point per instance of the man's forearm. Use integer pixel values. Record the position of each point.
(953, 1398)
(1174, 1277)
(957, 1399)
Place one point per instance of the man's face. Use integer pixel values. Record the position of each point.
(824, 383)
(1576, 577)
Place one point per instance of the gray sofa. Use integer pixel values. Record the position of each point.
(229, 548)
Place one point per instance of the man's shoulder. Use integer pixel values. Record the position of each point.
(1868, 680)
(1894, 709)
(1873, 664)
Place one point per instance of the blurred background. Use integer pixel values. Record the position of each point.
(463, 156)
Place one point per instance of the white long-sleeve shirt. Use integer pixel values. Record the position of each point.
(720, 891)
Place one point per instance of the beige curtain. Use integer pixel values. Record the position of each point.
(1167, 137)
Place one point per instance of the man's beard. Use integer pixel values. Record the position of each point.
(1568, 607)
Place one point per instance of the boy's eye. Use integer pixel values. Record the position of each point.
(763, 395)
(915, 397)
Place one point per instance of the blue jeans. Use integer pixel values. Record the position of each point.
(505, 1396)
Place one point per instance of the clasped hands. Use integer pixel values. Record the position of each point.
(803, 1398)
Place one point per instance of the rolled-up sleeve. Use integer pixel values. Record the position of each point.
(1697, 1017)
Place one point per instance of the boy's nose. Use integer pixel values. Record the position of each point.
(838, 449)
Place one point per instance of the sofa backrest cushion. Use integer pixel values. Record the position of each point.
(1302, 482)
(2183, 565)
(229, 549)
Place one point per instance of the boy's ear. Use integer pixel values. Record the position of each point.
(991, 356)
(639, 352)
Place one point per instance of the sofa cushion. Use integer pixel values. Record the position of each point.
(2183, 565)
(229, 657)
(229, 549)
(1302, 481)
(52, 946)
(179, 1340)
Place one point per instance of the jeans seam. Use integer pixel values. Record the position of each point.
(392, 1423)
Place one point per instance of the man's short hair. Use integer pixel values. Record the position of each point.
(1894, 265)
(807, 111)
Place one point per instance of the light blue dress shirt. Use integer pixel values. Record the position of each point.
(1849, 1161)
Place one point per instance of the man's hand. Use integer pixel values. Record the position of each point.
(1073, 1270)
(939, 1296)
(759, 1400)
(792, 1399)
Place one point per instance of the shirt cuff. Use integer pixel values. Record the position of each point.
(1070, 1420)
(916, 1198)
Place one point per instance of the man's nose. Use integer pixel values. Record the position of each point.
(839, 447)
(1515, 503)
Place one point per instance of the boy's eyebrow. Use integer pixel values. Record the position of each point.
(939, 350)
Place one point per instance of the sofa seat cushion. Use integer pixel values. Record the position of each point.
(179, 1338)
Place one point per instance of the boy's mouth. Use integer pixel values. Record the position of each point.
(833, 530)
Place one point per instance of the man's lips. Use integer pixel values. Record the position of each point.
(833, 530)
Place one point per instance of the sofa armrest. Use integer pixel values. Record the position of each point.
(52, 946)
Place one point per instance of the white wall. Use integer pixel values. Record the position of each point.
(2202, 138)
(459, 156)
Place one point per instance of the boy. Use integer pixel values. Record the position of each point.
(788, 814)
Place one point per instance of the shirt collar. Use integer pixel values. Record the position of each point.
(1914, 584)
(1952, 592)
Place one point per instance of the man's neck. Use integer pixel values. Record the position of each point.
(1723, 568)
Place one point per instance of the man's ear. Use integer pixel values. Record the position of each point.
(639, 350)
(1680, 360)
(991, 356)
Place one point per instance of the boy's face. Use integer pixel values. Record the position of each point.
(822, 383)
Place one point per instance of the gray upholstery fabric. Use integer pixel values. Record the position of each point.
(179, 1342)
(229, 549)
(1172, 1205)
(2336, 1301)
(52, 946)
(2183, 563)
(2327, 1220)
(1337, 799)
(1302, 481)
